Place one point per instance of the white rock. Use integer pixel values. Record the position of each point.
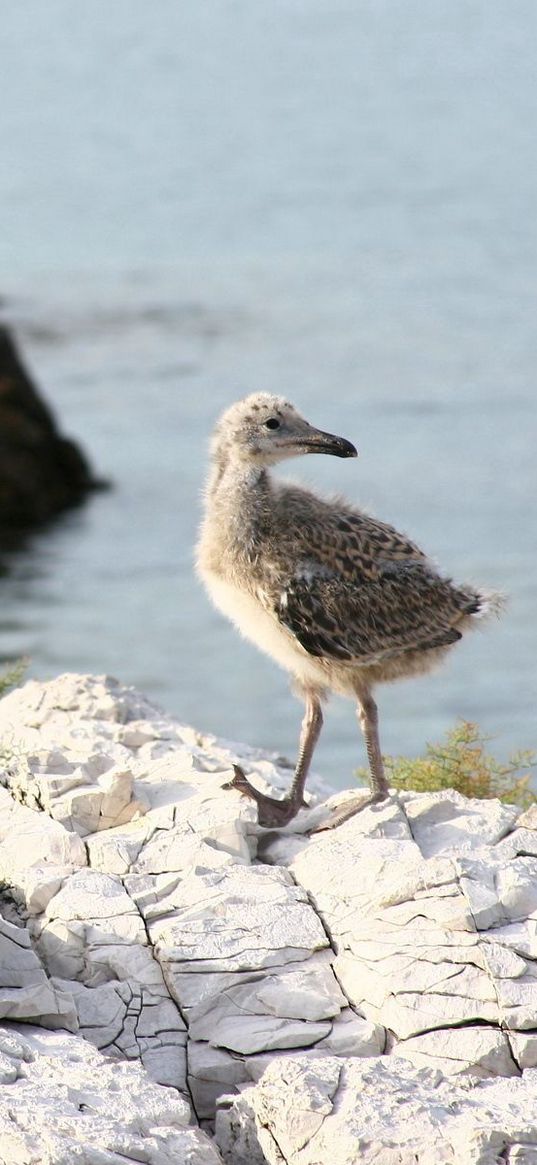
(301, 991)
(69, 1103)
(212, 1073)
(134, 1023)
(309, 1088)
(516, 884)
(80, 809)
(171, 777)
(353, 1035)
(237, 918)
(118, 988)
(447, 822)
(424, 908)
(409, 1013)
(25, 991)
(330, 866)
(82, 795)
(237, 1132)
(179, 850)
(90, 924)
(518, 999)
(413, 933)
(524, 1048)
(39, 884)
(486, 1049)
(383, 1110)
(32, 842)
(115, 850)
(118, 803)
(478, 885)
(91, 895)
(501, 962)
(72, 698)
(282, 847)
(521, 841)
(520, 937)
(528, 819)
(255, 1033)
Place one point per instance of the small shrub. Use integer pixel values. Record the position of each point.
(13, 676)
(463, 763)
(9, 679)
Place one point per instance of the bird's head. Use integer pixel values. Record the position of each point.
(263, 429)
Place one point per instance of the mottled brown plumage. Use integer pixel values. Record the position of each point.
(341, 600)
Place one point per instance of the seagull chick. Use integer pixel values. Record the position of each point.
(339, 599)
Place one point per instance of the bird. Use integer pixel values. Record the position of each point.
(340, 599)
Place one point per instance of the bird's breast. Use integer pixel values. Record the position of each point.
(258, 625)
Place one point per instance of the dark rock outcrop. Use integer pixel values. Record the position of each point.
(41, 472)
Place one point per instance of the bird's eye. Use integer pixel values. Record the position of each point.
(272, 423)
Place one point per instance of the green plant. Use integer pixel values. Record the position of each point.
(9, 679)
(462, 762)
(13, 676)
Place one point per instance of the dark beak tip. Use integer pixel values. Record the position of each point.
(328, 443)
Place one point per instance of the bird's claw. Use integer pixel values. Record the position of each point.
(240, 782)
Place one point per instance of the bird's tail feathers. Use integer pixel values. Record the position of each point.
(489, 603)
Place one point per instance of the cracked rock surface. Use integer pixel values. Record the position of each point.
(147, 914)
(378, 1111)
(62, 1101)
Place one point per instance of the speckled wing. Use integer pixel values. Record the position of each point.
(348, 542)
(406, 607)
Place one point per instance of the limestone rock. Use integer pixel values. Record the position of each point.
(234, 919)
(524, 1048)
(83, 797)
(205, 949)
(213, 1073)
(25, 991)
(248, 938)
(291, 1007)
(86, 925)
(448, 822)
(36, 853)
(66, 1102)
(430, 938)
(352, 1035)
(133, 1022)
(476, 1051)
(305, 1111)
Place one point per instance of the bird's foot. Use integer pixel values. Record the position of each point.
(351, 809)
(271, 813)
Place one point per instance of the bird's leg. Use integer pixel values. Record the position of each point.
(274, 812)
(369, 723)
(368, 717)
(310, 732)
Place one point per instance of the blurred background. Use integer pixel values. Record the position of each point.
(335, 202)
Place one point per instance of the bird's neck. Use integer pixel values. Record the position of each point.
(231, 479)
(238, 500)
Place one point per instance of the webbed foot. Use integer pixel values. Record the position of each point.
(272, 812)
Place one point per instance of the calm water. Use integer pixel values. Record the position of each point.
(333, 202)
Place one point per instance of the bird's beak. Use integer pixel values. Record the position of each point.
(318, 442)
